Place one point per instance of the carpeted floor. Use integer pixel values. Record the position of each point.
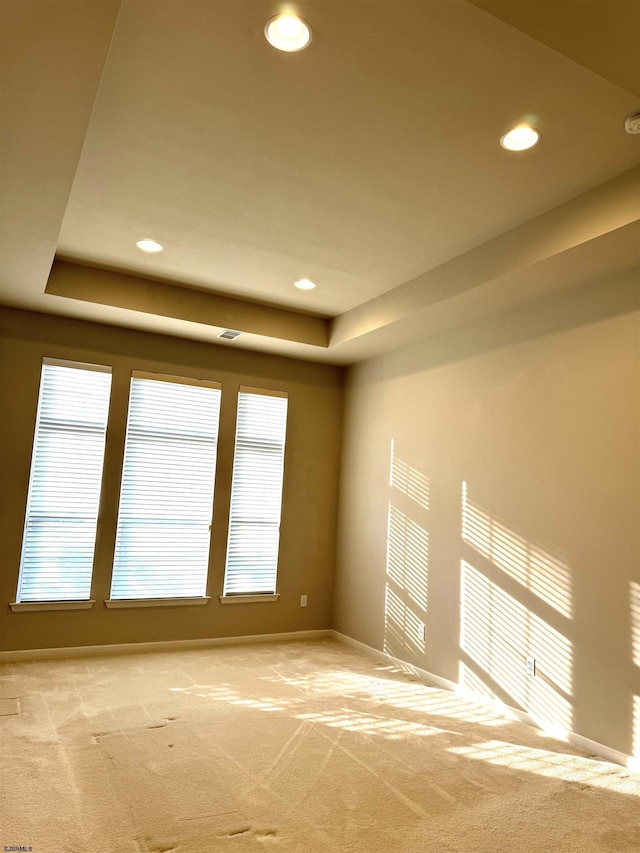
(308, 747)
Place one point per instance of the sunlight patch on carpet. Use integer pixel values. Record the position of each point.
(550, 764)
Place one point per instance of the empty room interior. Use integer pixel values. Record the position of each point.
(320, 426)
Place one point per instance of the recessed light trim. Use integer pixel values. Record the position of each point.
(520, 138)
(288, 32)
(304, 284)
(148, 245)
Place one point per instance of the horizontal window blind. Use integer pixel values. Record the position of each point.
(65, 482)
(256, 493)
(166, 495)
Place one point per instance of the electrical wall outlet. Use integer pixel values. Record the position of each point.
(303, 601)
(423, 632)
(531, 666)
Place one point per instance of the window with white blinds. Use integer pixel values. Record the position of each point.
(65, 482)
(256, 493)
(166, 496)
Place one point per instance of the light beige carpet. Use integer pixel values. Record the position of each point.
(287, 747)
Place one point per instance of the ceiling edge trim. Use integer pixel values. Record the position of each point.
(119, 290)
(606, 208)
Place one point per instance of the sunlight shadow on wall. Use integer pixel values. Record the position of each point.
(406, 589)
(408, 556)
(635, 622)
(403, 630)
(408, 480)
(536, 569)
(498, 633)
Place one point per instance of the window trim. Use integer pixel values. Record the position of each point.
(265, 392)
(25, 606)
(128, 603)
(249, 598)
(79, 365)
(175, 379)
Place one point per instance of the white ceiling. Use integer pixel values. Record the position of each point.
(369, 162)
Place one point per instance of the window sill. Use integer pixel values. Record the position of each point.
(248, 599)
(18, 606)
(122, 603)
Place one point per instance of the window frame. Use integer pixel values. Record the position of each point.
(189, 598)
(51, 603)
(247, 595)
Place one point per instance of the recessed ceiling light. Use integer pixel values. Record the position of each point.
(304, 284)
(288, 32)
(149, 246)
(520, 138)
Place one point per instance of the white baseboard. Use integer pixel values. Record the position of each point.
(401, 664)
(577, 740)
(160, 646)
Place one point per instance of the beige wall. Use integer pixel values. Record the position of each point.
(307, 548)
(509, 525)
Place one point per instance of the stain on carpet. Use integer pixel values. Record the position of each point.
(9, 707)
(96, 737)
(147, 844)
(258, 834)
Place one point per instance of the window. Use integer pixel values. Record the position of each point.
(65, 482)
(166, 496)
(256, 493)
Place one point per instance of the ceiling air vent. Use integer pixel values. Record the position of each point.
(229, 335)
(632, 123)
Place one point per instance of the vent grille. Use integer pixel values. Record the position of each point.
(229, 335)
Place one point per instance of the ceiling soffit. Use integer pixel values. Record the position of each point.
(583, 239)
(196, 306)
